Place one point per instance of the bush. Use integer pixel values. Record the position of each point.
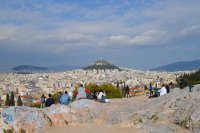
(110, 90)
(36, 105)
(56, 97)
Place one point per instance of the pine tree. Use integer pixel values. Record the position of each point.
(7, 100)
(19, 101)
(12, 100)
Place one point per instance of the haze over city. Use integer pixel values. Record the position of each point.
(139, 34)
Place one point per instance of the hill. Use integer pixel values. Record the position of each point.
(101, 65)
(180, 66)
(64, 68)
(29, 68)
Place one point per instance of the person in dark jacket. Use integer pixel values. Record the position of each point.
(168, 89)
(49, 101)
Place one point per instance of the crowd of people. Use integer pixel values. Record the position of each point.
(81, 93)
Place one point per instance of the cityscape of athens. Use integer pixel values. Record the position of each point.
(99, 66)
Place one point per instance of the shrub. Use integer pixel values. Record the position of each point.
(36, 105)
(56, 97)
(110, 90)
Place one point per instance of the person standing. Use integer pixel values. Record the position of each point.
(65, 99)
(49, 101)
(150, 89)
(42, 99)
(190, 87)
(127, 91)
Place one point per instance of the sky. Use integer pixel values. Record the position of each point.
(139, 34)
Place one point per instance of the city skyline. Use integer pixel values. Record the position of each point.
(140, 34)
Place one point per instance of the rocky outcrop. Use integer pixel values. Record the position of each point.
(179, 108)
(27, 119)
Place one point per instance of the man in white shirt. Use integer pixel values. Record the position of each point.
(163, 90)
(102, 97)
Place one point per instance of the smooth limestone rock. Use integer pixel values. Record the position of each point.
(23, 118)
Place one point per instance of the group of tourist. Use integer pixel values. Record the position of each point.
(156, 93)
(81, 93)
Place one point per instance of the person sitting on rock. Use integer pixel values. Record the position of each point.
(102, 97)
(163, 90)
(167, 88)
(81, 93)
(94, 94)
(65, 99)
(49, 101)
(58, 98)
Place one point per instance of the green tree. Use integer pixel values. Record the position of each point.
(12, 100)
(110, 90)
(146, 88)
(7, 100)
(19, 101)
(190, 79)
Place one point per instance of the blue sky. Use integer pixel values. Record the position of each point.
(140, 34)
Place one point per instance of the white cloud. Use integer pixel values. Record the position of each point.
(150, 37)
(74, 26)
(192, 30)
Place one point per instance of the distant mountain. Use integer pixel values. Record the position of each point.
(64, 68)
(180, 66)
(101, 65)
(29, 68)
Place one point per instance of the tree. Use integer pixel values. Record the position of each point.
(7, 100)
(145, 87)
(12, 100)
(19, 101)
(110, 90)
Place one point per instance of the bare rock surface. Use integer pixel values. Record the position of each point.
(178, 111)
